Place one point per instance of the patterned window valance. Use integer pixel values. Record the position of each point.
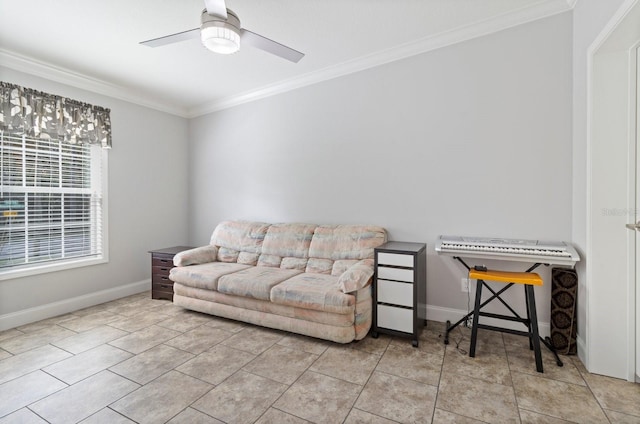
(49, 116)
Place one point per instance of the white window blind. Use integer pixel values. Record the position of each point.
(50, 201)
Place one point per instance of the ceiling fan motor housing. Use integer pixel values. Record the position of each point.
(220, 35)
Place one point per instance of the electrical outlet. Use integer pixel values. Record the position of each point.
(464, 285)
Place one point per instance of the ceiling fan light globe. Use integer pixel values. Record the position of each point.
(219, 39)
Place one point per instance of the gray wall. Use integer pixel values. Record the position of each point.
(148, 200)
(471, 139)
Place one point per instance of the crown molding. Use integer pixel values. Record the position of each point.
(572, 3)
(498, 23)
(495, 24)
(62, 75)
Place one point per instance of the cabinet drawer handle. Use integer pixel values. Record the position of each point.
(164, 269)
(165, 286)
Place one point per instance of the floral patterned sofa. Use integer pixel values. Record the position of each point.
(304, 278)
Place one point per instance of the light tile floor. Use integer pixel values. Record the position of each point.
(147, 361)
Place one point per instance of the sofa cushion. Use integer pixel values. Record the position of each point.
(346, 241)
(313, 291)
(227, 255)
(241, 236)
(248, 258)
(204, 276)
(255, 282)
(319, 266)
(270, 261)
(288, 240)
(294, 263)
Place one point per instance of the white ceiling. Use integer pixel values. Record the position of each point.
(94, 44)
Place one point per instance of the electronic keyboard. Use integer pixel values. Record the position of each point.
(544, 252)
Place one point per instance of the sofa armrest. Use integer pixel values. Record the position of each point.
(356, 276)
(198, 255)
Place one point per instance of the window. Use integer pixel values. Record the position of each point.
(52, 181)
(51, 203)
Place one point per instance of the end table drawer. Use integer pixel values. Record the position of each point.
(395, 259)
(160, 292)
(159, 278)
(160, 270)
(386, 273)
(395, 293)
(394, 318)
(162, 262)
(165, 287)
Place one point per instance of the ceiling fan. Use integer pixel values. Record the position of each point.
(220, 32)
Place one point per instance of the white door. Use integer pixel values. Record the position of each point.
(635, 300)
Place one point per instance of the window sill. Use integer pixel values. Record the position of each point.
(8, 274)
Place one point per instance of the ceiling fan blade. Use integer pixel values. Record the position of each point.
(216, 8)
(173, 38)
(270, 46)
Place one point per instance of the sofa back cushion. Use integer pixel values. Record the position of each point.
(288, 240)
(287, 246)
(239, 241)
(319, 249)
(338, 242)
(334, 247)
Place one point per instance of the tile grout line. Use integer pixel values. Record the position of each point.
(366, 382)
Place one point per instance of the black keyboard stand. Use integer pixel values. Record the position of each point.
(496, 295)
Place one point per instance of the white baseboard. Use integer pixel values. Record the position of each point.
(37, 313)
(437, 313)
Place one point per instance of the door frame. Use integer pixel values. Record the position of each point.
(634, 215)
(635, 332)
